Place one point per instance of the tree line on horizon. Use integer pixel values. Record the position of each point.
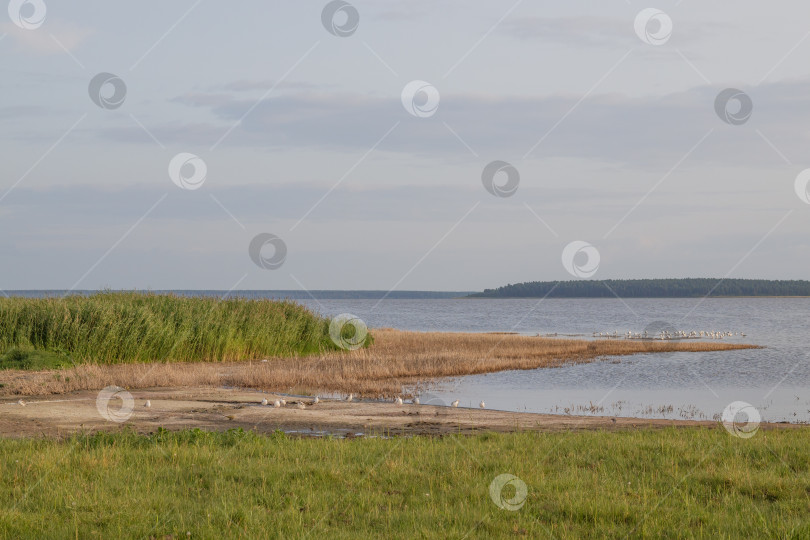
(649, 288)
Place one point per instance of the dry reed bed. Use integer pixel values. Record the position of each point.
(397, 361)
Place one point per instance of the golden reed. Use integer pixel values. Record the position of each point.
(395, 364)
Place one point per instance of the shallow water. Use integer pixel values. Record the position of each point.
(775, 379)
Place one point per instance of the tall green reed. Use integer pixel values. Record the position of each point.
(116, 327)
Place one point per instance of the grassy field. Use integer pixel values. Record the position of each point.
(669, 483)
(112, 328)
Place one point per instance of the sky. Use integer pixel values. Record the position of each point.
(197, 144)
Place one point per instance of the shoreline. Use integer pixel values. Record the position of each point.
(398, 363)
(220, 396)
(220, 409)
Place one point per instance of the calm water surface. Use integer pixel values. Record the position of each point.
(775, 379)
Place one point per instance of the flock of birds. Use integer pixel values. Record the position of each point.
(281, 402)
(666, 334)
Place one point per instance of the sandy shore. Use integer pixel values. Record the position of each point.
(221, 409)
(220, 396)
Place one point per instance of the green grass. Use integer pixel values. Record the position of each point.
(34, 360)
(109, 328)
(669, 483)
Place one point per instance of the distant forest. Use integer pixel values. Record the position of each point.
(649, 288)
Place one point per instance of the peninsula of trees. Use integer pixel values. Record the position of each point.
(649, 288)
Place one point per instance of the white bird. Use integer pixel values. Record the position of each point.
(148, 404)
(416, 401)
(21, 403)
(317, 400)
(276, 404)
(482, 405)
(454, 404)
(399, 400)
(351, 397)
(284, 402)
(301, 405)
(264, 401)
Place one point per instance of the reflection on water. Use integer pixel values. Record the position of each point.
(677, 385)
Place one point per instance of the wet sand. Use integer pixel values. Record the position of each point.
(221, 408)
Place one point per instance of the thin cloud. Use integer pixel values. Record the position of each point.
(592, 31)
(49, 42)
(635, 131)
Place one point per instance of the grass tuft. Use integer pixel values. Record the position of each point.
(35, 360)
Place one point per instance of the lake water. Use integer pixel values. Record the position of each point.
(776, 379)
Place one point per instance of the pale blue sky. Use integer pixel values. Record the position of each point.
(631, 157)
